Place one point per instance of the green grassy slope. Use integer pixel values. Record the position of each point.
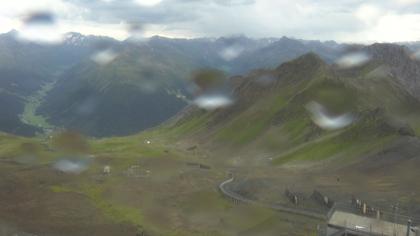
(275, 120)
(152, 186)
(29, 115)
(170, 197)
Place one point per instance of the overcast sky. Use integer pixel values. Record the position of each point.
(341, 20)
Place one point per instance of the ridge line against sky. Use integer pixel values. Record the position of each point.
(146, 39)
(343, 21)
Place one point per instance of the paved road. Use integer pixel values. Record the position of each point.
(277, 207)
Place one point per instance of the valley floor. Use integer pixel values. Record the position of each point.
(160, 187)
(29, 115)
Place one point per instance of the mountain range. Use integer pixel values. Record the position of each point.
(311, 110)
(291, 116)
(104, 87)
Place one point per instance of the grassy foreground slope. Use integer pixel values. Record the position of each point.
(154, 188)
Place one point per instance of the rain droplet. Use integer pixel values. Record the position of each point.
(41, 17)
(137, 32)
(72, 166)
(320, 117)
(212, 102)
(71, 142)
(230, 53)
(208, 79)
(353, 59)
(104, 57)
(40, 27)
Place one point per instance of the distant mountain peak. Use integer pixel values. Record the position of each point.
(311, 56)
(309, 59)
(391, 54)
(12, 32)
(387, 48)
(401, 63)
(74, 38)
(286, 39)
(74, 34)
(158, 37)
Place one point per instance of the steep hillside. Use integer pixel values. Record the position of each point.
(140, 74)
(401, 65)
(23, 69)
(136, 91)
(9, 120)
(26, 67)
(302, 126)
(279, 121)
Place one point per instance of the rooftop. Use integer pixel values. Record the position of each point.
(363, 224)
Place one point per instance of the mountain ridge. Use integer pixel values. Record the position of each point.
(276, 118)
(159, 64)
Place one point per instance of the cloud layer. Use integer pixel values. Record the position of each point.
(347, 20)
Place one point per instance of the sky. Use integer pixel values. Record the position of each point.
(340, 20)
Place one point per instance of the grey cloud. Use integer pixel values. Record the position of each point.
(168, 11)
(129, 11)
(321, 19)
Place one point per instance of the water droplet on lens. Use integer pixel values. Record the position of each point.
(71, 142)
(72, 165)
(231, 52)
(208, 79)
(321, 117)
(104, 57)
(40, 27)
(41, 17)
(212, 102)
(137, 32)
(353, 59)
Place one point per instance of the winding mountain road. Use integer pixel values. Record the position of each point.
(235, 196)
